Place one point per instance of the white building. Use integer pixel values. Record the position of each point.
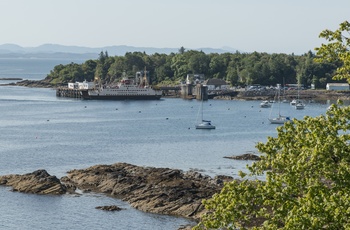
(337, 86)
(86, 85)
(73, 85)
(81, 85)
(216, 84)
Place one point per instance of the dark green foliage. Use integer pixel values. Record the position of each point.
(236, 68)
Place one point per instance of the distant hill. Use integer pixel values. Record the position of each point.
(79, 52)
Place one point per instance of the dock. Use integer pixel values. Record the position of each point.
(67, 92)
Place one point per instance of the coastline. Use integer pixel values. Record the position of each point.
(163, 191)
(319, 94)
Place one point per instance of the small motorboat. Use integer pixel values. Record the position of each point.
(300, 105)
(205, 124)
(265, 104)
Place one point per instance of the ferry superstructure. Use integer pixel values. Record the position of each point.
(127, 88)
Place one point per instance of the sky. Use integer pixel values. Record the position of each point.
(272, 26)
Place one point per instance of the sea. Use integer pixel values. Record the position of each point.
(41, 131)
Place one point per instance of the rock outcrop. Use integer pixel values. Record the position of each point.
(38, 182)
(246, 156)
(156, 190)
(34, 83)
(109, 208)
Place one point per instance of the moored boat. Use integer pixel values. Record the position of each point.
(300, 105)
(279, 119)
(265, 104)
(205, 124)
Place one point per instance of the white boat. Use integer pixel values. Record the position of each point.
(127, 88)
(300, 105)
(204, 124)
(293, 102)
(279, 119)
(265, 104)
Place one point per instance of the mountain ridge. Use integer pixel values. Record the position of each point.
(14, 50)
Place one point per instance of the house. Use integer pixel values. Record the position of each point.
(81, 85)
(194, 79)
(73, 85)
(216, 84)
(86, 85)
(337, 86)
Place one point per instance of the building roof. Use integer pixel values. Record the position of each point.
(216, 81)
(338, 84)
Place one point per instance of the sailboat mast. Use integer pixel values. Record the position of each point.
(202, 97)
(279, 101)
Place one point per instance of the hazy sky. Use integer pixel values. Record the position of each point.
(273, 26)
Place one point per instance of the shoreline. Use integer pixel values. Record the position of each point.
(318, 94)
(163, 191)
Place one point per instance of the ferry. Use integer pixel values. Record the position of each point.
(127, 88)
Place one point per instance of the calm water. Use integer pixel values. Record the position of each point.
(40, 131)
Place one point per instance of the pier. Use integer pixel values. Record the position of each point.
(67, 92)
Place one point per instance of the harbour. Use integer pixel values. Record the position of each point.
(58, 134)
(42, 131)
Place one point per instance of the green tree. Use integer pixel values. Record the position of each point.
(117, 68)
(179, 66)
(198, 62)
(337, 50)
(88, 69)
(181, 50)
(306, 185)
(218, 66)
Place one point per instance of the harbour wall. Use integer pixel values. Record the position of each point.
(66, 92)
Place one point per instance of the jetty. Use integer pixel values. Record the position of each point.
(67, 92)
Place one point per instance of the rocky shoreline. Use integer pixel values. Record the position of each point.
(155, 190)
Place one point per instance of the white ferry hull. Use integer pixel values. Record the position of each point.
(108, 96)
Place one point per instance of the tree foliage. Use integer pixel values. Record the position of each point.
(337, 50)
(236, 68)
(306, 167)
(307, 185)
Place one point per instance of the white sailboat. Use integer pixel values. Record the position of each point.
(204, 124)
(299, 103)
(279, 119)
(284, 93)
